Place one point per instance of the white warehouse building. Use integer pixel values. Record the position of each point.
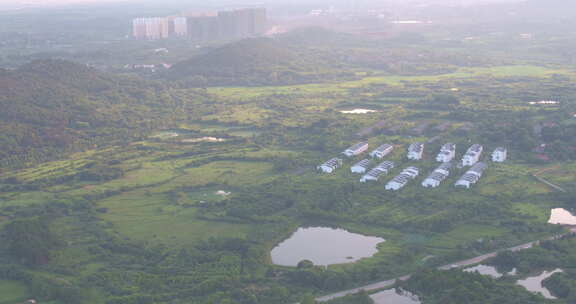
(361, 166)
(382, 151)
(330, 166)
(402, 179)
(356, 149)
(437, 176)
(499, 155)
(472, 155)
(472, 176)
(374, 174)
(447, 153)
(415, 151)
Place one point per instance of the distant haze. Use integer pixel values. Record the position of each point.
(28, 3)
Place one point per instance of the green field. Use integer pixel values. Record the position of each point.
(12, 292)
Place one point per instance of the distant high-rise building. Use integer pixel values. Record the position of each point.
(259, 21)
(203, 28)
(139, 28)
(242, 23)
(151, 28)
(233, 24)
(227, 23)
(180, 26)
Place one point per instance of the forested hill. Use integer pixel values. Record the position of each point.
(53, 106)
(256, 61)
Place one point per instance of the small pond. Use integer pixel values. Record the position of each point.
(561, 216)
(390, 296)
(358, 111)
(534, 283)
(489, 271)
(324, 246)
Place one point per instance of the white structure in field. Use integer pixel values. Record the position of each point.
(330, 166)
(356, 149)
(402, 179)
(447, 153)
(415, 151)
(437, 176)
(472, 155)
(374, 174)
(472, 176)
(361, 166)
(499, 155)
(382, 151)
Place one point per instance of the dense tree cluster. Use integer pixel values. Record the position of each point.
(456, 287)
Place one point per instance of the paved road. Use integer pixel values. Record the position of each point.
(472, 261)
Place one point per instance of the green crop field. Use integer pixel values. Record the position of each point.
(12, 292)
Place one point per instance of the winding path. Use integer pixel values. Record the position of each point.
(542, 180)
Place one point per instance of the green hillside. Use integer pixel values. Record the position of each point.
(254, 62)
(50, 106)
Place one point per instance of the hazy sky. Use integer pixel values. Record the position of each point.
(56, 2)
(15, 4)
(19, 3)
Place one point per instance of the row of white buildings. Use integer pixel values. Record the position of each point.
(415, 151)
(362, 147)
(448, 153)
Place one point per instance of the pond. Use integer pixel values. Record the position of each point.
(358, 111)
(391, 296)
(534, 283)
(489, 271)
(561, 216)
(324, 246)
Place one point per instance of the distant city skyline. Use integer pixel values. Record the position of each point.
(47, 3)
(67, 2)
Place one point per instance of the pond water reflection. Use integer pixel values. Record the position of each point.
(390, 296)
(489, 271)
(534, 283)
(324, 246)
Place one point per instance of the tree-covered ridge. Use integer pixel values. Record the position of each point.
(259, 61)
(54, 104)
